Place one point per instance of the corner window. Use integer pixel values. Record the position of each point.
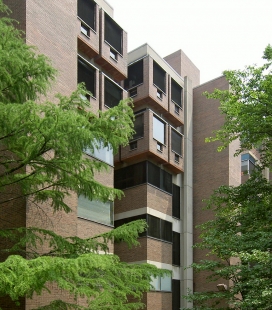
(104, 153)
(176, 93)
(162, 283)
(247, 163)
(86, 11)
(159, 77)
(113, 93)
(113, 34)
(87, 74)
(158, 130)
(135, 75)
(176, 142)
(95, 210)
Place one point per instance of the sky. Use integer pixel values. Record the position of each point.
(216, 35)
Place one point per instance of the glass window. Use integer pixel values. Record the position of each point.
(153, 174)
(176, 93)
(113, 34)
(95, 210)
(86, 74)
(156, 284)
(166, 181)
(166, 231)
(175, 294)
(159, 77)
(135, 75)
(166, 282)
(158, 130)
(113, 94)
(176, 201)
(154, 227)
(176, 249)
(176, 142)
(247, 163)
(86, 11)
(104, 153)
(138, 126)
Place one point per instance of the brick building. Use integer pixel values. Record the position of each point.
(155, 170)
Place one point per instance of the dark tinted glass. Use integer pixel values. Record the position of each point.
(154, 229)
(135, 75)
(139, 126)
(176, 142)
(166, 231)
(176, 249)
(153, 174)
(113, 94)
(176, 93)
(176, 201)
(86, 11)
(175, 294)
(113, 34)
(86, 74)
(159, 77)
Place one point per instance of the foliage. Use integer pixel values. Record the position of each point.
(239, 237)
(42, 160)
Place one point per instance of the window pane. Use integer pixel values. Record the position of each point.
(113, 33)
(156, 283)
(176, 142)
(86, 11)
(113, 94)
(175, 294)
(166, 181)
(176, 249)
(176, 93)
(86, 74)
(166, 231)
(176, 201)
(130, 219)
(94, 210)
(104, 153)
(135, 75)
(139, 126)
(153, 174)
(159, 77)
(158, 130)
(154, 229)
(166, 283)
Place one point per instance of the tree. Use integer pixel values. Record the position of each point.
(239, 238)
(41, 160)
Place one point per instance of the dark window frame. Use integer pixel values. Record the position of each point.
(135, 75)
(113, 34)
(85, 10)
(84, 65)
(176, 97)
(176, 146)
(176, 249)
(110, 99)
(176, 195)
(159, 77)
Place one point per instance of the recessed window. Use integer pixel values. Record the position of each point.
(102, 152)
(176, 142)
(113, 94)
(177, 108)
(133, 92)
(159, 77)
(247, 163)
(176, 93)
(86, 10)
(176, 249)
(133, 145)
(158, 130)
(87, 74)
(113, 54)
(159, 147)
(135, 75)
(95, 210)
(138, 126)
(85, 30)
(176, 201)
(159, 94)
(113, 34)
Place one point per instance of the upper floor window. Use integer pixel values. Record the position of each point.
(176, 142)
(135, 75)
(159, 77)
(162, 283)
(247, 163)
(113, 34)
(138, 126)
(113, 93)
(175, 294)
(176, 249)
(87, 74)
(176, 201)
(86, 11)
(176, 93)
(158, 130)
(95, 210)
(143, 172)
(104, 153)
